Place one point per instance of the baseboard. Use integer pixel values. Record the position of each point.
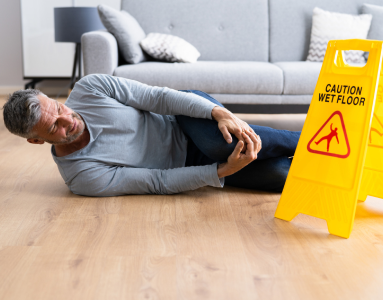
(55, 91)
(6, 90)
(50, 91)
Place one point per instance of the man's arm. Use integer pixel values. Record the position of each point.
(160, 100)
(101, 180)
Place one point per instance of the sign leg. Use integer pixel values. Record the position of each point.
(341, 229)
(285, 214)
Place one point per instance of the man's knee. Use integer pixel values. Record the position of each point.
(218, 149)
(207, 137)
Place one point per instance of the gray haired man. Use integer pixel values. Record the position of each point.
(115, 136)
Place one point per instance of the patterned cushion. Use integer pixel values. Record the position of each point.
(169, 48)
(336, 26)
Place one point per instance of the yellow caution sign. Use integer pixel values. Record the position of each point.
(329, 161)
(372, 179)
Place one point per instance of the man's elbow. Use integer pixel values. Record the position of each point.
(84, 191)
(89, 188)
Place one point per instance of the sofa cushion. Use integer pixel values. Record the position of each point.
(242, 77)
(376, 30)
(300, 77)
(290, 24)
(127, 31)
(221, 31)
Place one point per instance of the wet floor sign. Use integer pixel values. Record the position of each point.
(339, 157)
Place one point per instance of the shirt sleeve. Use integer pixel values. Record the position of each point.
(104, 181)
(159, 100)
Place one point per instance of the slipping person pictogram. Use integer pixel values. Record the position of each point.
(342, 150)
(329, 137)
(375, 129)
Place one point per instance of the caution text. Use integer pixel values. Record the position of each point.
(343, 94)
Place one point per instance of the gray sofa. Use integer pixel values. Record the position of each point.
(253, 52)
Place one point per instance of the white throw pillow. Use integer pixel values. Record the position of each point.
(336, 26)
(169, 48)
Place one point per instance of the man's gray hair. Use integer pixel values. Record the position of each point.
(22, 112)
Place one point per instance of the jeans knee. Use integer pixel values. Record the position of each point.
(219, 149)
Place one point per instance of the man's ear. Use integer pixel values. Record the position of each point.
(35, 141)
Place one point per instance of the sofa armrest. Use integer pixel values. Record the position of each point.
(100, 52)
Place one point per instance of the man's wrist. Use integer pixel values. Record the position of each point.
(223, 170)
(218, 113)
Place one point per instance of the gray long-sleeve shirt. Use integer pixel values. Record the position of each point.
(136, 145)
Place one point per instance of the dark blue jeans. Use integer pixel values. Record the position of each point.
(206, 145)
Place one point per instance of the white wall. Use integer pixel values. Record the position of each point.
(11, 70)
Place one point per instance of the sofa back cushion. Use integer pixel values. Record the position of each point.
(220, 30)
(290, 24)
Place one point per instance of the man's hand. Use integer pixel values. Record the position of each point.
(238, 160)
(229, 123)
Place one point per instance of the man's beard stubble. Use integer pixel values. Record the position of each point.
(70, 138)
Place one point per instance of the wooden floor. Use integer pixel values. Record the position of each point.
(206, 244)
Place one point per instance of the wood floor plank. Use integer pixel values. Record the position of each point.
(300, 260)
(210, 255)
(145, 234)
(15, 262)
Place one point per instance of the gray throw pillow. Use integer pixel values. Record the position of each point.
(126, 30)
(376, 29)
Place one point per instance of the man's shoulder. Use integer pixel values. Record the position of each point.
(89, 83)
(84, 93)
(91, 78)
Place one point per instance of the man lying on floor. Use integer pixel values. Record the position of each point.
(116, 136)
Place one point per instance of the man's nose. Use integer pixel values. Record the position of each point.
(67, 120)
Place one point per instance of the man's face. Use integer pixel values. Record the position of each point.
(58, 124)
